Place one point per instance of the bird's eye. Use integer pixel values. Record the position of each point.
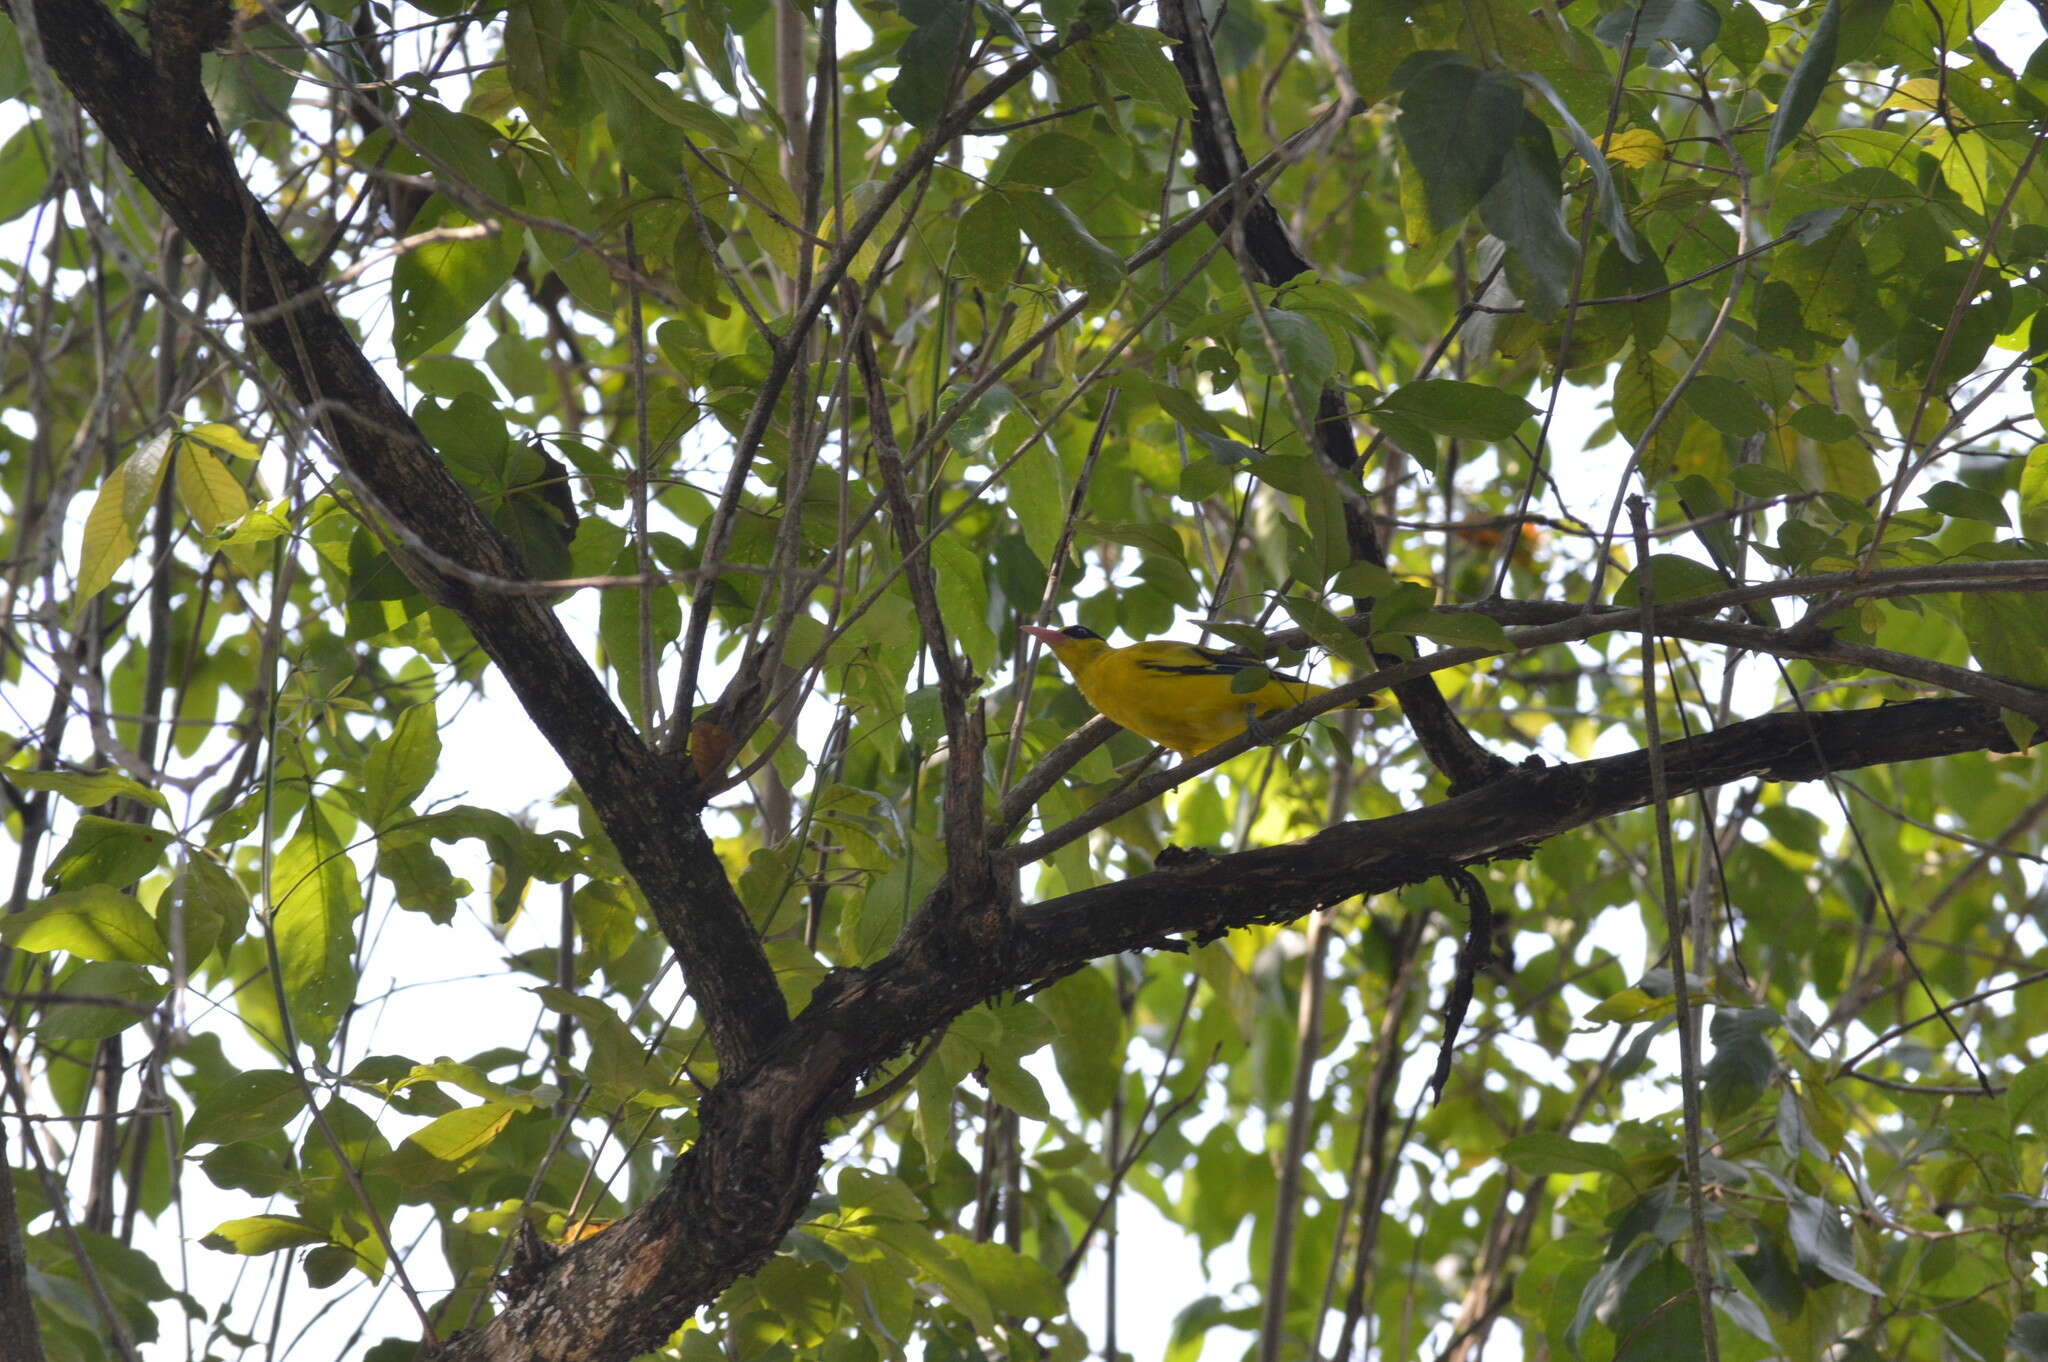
(1079, 631)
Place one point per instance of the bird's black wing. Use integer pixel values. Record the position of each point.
(1210, 662)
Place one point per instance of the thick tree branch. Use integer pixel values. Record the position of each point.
(736, 1192)
(1208, 896)
(158, 119)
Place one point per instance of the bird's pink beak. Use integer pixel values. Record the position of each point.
(1044, 635)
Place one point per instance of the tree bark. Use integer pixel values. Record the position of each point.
(20, 1340)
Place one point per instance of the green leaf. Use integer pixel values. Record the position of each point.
(1525, 210)
(975, 430)
(439, 285)
(1088, 1042)
(1463, 410)
(1015, 1284)
(929, 57)
(1013, 1085)
(1673, 578)
(209, 903)
(1454, 629)
(2029, 1336)
(1652, 1322)
(1682, 23)
(2024, 1107)
(246, 1107)
(1824, 424)
(1307, 354)
(806, 1296)
(1764, 481)
(1641, 385)
(1035, 489)
(618, 629)
(106, 851)
(145, 470)
(1726, 405)
(328, 1264)
(399, 766)
(1830, 279)
(263, 1234)
(94, 923)
(1802, 92)
(1612, 211)
(1130, 59)
(1457, 124)
(1967, 503)
(1326, 628)
(939, 1267)
(446, 1145)
(1631, 1005)
(1050, 160)
(313, 885)
(1820, 1239)
(2034, 492)
(87, 789)
(1645, 319)
(1743, 1062)
(1541, 1152)
(465, 144)
(987, 243)
(24, 171)
(110, 999)
(1745, 36)
(554, 195)
(1250, 679)
(2007, 630)
(880, 1193)
(1068, 247)
(1163, 540)
(961, 581)
(619, 62)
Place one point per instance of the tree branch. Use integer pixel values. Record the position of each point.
(162, 126)
(20, 1339)
(1259, 238)
(733, 1195)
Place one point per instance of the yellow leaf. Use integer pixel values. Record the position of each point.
(1634, 148)
(1921, 95)
(141, 474)
(211, 493)
(1824, 1114)
(1631, 1005)
(270, 520)
(222, 440)
(108, 538)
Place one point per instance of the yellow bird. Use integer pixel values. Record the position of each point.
(1176, 694)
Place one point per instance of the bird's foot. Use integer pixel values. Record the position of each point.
(1256, 726)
